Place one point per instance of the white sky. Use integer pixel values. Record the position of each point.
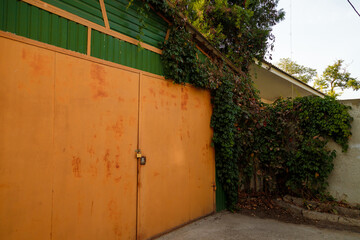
(322, 32)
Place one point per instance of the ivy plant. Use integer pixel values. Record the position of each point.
(285, 143)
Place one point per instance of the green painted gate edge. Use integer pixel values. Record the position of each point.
(220, 193)
(220, 196)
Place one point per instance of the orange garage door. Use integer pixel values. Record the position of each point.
(70, 127)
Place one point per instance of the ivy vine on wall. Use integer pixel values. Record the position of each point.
(283, 143)
(291, 147)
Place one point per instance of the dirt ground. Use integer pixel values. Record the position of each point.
(265, 207)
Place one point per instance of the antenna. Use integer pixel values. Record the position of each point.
(291, 49)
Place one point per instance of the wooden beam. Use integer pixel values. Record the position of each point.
(103, 11)
(160, 15)
(203, 52)
(167, 35)
(89, 42)
(87, 23)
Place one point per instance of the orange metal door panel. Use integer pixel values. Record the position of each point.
(197, 135)
(96, 122)
(69, 128)
(26, 140)
(175, 185)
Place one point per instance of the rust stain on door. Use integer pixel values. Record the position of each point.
(98, 74)
(95, 125)
(184, 98)
(172, 137)
(73, 125)
(118, 126)
(26, 126)
(38, 63)
(76, 165)
(107, 163)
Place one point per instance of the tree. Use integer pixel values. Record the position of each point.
(304, 74)
(240, 29)
(336, 76)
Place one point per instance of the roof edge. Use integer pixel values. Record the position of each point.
(268, 66)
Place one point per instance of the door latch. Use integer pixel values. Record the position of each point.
(138, 153)
(139, 157)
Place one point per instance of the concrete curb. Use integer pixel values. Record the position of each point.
(352, 213)
(318, 216)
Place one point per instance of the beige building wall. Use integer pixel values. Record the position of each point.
(274, 83)
(344, 181)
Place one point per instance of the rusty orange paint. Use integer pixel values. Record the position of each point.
(86, 105)
(175, 185)
(26, 142)
(64, 153)
(196, 121)
(70, 128)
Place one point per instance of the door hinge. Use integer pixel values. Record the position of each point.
(214, 186)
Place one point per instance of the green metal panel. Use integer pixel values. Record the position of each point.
(88, 9)
(105, 47)
(220, 196)
(122, 17)
(112, 49)
(202, 57)
(31, 22)
(126, 20)
(2, 14)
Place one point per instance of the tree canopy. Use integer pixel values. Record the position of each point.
(305, 74)
(240, 29)
(334, 77)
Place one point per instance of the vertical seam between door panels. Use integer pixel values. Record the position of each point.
(53, 149)
(137, 162)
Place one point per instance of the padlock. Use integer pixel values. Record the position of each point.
(142, 160)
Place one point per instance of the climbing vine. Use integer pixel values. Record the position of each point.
(291, 148)
(284, 144)
(233, 97)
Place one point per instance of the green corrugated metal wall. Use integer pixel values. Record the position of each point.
(31, 22)
(112, 49)
(220, 196)
(125, 20)
(121, 18)
(88, 9)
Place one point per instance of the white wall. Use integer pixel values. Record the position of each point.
(344, 181)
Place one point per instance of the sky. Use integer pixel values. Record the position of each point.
(322, 31)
